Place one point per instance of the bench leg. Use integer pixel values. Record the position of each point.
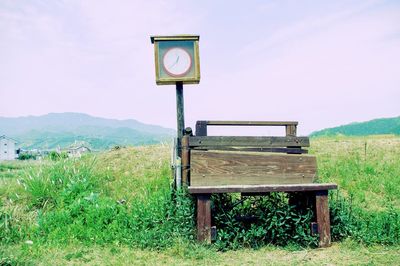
(323, 220)
(204, 218)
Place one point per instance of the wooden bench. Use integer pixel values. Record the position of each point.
(251, 166)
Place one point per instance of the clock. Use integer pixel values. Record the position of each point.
(177, 62)
(176, 59)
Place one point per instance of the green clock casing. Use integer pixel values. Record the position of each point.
(176, 59)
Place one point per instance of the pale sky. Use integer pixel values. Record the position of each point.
(322, 63)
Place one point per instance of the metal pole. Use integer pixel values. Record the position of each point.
(178, 173)
(180, 115)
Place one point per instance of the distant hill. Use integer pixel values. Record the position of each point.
(373, 127)
(64, 129)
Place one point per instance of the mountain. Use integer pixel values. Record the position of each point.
(64, 129)
(373, 127)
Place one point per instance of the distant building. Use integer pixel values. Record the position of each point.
(7, 148)
(78, 151)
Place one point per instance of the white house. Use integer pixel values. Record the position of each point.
(78, 151)
(7, 148)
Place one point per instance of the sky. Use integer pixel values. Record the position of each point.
(322, 63)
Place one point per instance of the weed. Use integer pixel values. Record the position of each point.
(260, 220)
(12, 229)
(73, 206)
(373, 227)
(55, 156)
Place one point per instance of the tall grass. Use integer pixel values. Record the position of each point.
(124, 197)
(367, 170)
(73, 206)
(368, 227)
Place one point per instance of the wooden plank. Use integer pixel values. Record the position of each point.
(214, 168)
(185, 161)
(175, 38)
(204, 218)
(261, 188)
(323, 220)
(241, 141)
(291, 130)
(291, 150)
(201, 128)
(251, 123)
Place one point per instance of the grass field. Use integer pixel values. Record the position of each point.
(367, 169)
(116, 208)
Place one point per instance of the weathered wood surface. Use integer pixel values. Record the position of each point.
(242, 141)
(261, 188)
(201, 128)
(323, 220)
(291, 130)
(216, 168)
(290, 126)
(204, 218)
(185, 161)
(290, 150)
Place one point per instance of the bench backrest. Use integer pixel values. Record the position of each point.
(237, 160)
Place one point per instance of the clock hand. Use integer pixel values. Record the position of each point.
(177, 59)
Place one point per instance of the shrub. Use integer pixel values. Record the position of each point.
(368, 227)
(256, 221)
(26, 156)
(55, 156)
(342, 219)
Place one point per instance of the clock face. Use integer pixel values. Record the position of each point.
(177, 62)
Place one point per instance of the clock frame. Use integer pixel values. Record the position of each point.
(190, 44)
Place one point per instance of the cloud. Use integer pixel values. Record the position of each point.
(340, 71)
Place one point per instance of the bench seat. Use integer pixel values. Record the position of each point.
(261, 188)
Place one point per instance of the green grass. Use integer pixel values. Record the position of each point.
(72, 203)
(367, 169)
(14, 169)
(117, 208)
(345, 253)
